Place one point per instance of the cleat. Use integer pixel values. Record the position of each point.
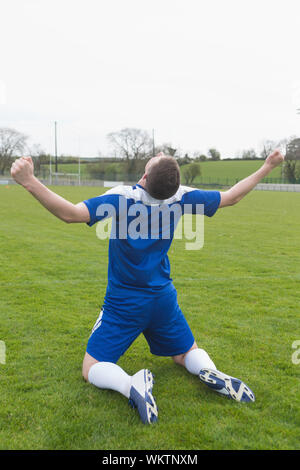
(141, 396)
(227, 385)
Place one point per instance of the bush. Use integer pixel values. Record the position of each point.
(190, 172)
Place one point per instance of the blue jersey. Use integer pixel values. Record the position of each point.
(140, 296)
(142, 232)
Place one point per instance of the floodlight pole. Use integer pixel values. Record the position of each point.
(50, 168)
(153, 144)
(79, 168)
(55, 134)
(79, 174)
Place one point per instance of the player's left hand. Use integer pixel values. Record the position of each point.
(22, 170)
(275, 158)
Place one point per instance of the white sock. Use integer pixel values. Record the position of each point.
(110, 376)
(198, 359)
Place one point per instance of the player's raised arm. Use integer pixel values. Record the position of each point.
(22, 173)
(239, 190)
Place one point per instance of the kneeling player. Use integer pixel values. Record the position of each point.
(140, 296)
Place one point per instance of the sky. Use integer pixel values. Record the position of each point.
(222, 74)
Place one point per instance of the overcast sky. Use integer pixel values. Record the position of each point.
(201, 73)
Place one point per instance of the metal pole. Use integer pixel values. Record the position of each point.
(50, 168)
(79, 169)
(153, 144)
(55, 131)
(79, 176)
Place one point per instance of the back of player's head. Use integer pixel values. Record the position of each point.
(163, 177)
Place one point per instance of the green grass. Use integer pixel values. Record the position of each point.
(240, 294)
(233, 169)
(72, 168)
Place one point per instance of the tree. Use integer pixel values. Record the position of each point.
(291, 167)
(12, 144)
(249, 154)
(97, 170)
(214, 154)
(184, 160)
(190, 172)
(111, 171)
(131, 143)
(268, 146)
(39, 157)
(199, 157)
(167, 149)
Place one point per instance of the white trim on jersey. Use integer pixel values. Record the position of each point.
(139, 194)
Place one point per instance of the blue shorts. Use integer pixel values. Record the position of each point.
(123, 318)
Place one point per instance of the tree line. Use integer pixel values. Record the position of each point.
(132, 148)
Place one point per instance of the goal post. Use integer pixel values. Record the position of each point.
(64, 178)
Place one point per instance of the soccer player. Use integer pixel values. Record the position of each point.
(140, 295)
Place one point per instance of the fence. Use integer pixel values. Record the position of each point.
(213, 183)
(228, 182)
(278, 187)
(71, 182)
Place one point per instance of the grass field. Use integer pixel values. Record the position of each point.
(240, 294)
(232, 170)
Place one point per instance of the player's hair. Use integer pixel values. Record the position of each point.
(163, 178)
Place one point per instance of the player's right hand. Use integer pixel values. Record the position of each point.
(22, 170)
(275, 158)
